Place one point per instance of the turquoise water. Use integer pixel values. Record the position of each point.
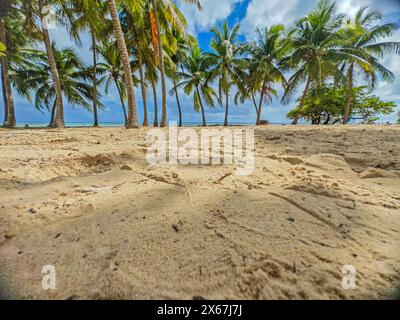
(119, 124)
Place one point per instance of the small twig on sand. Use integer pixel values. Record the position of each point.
(223, 177)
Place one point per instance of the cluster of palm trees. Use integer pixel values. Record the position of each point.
(139, 43)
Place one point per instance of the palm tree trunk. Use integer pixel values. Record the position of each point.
(226, 108)
(53, 67)
(143, 89)
(53, 114)
(3, 88)
(203, 114)
(162, 69)
(94, 80)
(254, 102)
(155, 103)
(121, 97)
(349, 96)
(259, 109)
(132, 121)
(303, 100)
(9, 106)
(178, 103)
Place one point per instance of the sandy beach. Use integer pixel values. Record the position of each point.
(86, 201)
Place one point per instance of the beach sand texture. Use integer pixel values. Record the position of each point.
(86, 201)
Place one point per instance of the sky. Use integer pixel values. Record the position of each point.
(251, 14)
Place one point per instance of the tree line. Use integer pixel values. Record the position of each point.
(137, 44)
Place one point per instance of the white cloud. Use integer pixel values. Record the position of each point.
(213, 12)
(261, 13)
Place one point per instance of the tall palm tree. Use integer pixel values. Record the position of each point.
(161, 6)
(266, 56)
(135, 23)
(194, 79)
(176, 58)
(226, 61)
(9, 109)
(132, 119)
(314, 41)
(43, 14)
(360, 38)
(89, 16)
(34, 77)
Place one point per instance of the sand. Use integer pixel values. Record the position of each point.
(86, 201)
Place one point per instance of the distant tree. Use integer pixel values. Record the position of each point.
(226, 61)
(194, 79)
(360, 40)
(325, 105)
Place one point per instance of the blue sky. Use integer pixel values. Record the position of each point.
(251, 14)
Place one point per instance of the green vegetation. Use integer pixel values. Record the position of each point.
(331, 61)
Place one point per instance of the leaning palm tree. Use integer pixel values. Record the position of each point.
(360, 38)
(34, 77)
(265, 58)
(314, 41)
(227, 63)
(132, 119)
(194, 79)
(44, 13)
(172, 11)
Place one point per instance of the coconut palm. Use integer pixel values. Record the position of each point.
(132, 119)
(113, 72)
(89, 15)
(170, 10)
(176, 58)
(44, 15)
(266, 56)
(226, 61)
(34, 77)
(360, 40)
(315, 54)
(194, 79)
(6, 9)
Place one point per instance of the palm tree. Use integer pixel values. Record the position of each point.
(226, 61)
(176, 58)
(265, 69)
(9, 109)
(113, 72)
(194, 79)
(34, 76)
(360, 40)
(315, 54)
(132, 119)
(43, 14)
(173, 12)
(88, 15)
(134, 21)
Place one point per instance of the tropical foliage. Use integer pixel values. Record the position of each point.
(327, 64)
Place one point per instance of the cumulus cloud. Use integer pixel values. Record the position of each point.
(213, 12)
(261, 13)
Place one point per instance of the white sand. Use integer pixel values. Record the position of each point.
(319, 198)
